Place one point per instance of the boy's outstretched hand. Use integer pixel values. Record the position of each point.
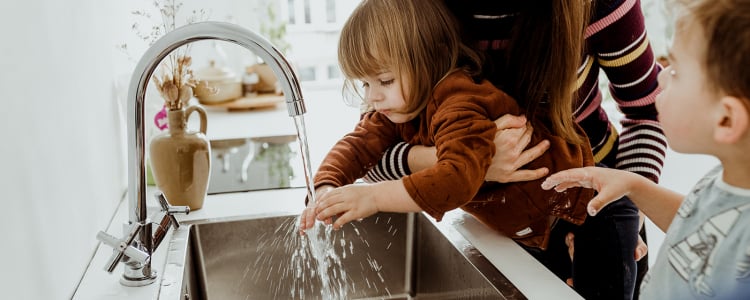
(611, 184)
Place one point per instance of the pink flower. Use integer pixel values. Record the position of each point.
(160, 119)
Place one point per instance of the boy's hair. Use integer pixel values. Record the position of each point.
(726, 29)
(417, 39)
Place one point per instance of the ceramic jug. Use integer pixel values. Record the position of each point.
(181, 160)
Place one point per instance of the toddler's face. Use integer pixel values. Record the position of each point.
(384, 93)
(685, 103)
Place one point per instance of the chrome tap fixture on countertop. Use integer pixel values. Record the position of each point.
(138, 246)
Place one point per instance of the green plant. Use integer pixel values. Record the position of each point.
(277, 157)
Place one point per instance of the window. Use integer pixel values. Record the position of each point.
(331, 11)
(290, 7)
(334, 72)
(306, 74)
(308, 19)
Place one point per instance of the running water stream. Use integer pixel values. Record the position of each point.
(313, 257)
(319, 242)
(299, 123)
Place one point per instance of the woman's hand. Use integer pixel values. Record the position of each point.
(511, 139)
(641, 249)
(347, 203)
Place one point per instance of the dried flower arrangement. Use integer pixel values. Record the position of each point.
(174, 79)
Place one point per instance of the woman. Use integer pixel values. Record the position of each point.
(533, 52)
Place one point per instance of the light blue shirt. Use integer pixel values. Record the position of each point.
(706, 251)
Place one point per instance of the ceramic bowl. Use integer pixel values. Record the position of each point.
(217, 85)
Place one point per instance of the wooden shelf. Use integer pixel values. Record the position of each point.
(261, 101)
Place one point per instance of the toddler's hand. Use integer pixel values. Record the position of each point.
(307, 218)
(348, 203)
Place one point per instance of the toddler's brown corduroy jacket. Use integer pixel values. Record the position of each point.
(458, 121)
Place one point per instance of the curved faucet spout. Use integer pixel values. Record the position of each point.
(136, 95)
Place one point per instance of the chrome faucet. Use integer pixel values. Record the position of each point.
(140, 243)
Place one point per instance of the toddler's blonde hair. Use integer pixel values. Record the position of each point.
(416, 39)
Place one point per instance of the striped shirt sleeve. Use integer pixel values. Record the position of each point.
(624, 53)
(392, 166)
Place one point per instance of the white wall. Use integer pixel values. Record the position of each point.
(61, 155)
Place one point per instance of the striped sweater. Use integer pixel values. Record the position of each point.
(616, 44)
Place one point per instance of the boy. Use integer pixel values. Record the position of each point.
(704, 107)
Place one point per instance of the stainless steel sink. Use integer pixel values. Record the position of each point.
(386, 256)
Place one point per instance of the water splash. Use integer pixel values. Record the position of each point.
(323, 264)
(298, 266)
(333, 276)
(319, 241)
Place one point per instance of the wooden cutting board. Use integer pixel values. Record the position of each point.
(261, 101)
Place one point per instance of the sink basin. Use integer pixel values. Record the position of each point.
(385, 256)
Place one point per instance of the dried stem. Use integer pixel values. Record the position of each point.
(175, 81)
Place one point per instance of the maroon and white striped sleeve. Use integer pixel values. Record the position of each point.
(625, 55)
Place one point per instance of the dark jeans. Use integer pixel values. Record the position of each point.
(603, 265)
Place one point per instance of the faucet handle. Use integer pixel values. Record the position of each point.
(123, 247)
(168, 220)
(171, 210)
